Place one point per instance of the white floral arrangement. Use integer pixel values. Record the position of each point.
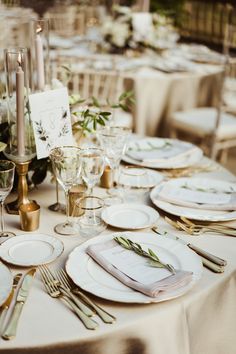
(128, 30)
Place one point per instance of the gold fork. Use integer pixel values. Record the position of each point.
(197, 229)
(104, 315)
(53, 290)
(86, 310)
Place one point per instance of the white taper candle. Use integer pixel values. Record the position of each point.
(39, 61)
(20, 120)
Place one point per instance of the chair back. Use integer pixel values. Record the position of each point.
(105, 85)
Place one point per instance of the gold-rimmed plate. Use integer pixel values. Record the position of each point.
(29, 250)
(5, 283)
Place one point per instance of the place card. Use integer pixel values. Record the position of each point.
(133, 265)
(50, 114)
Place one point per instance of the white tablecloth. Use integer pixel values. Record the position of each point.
(202, 321)
(158, 95)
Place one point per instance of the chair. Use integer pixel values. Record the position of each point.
(66, 24)
(229, 91)
(106, 86)
(215, 128)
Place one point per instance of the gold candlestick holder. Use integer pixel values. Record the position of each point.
(13, 207)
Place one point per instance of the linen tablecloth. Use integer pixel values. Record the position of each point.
(158, 95)
(202, 321)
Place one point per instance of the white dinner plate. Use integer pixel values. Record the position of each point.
(89, 276)
(139, 177)
(130, 216)
(194, 213)
(6, 281)
(31, 249)
(191, 156)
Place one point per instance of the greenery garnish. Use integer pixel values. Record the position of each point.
(151, 146)
(133, 246)
(207, 190)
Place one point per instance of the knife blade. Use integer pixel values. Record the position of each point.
(11, 328)
(7, 303)
(206, 255)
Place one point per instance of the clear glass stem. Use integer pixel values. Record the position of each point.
(90, 190)
(1, 216)
(67, 206)
(57, 192)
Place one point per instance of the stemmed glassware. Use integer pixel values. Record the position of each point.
(113, 141)
(67, 166)
(7, 171)
(92, 166)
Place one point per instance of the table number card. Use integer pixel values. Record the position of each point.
(50, 115)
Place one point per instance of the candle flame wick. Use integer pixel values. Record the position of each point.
(19, 60)
(39, 30)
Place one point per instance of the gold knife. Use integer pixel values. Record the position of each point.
(10, 331)
(212, 262)
(8, 301)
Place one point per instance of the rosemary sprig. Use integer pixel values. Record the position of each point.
(133, 246)
(207, 190)
(150, 147)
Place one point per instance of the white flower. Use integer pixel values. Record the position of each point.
(120, 34)
(3, 110)
(123, 10)
(56, 84)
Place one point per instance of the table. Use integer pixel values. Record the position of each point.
(158, 95)
(202, 321)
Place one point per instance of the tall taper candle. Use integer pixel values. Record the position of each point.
(20, 120)
(39, 60)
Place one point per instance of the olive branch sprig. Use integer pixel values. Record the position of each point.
(133, 246)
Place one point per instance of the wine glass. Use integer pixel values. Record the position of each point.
(113, 141)
(92, 166)
(7, 171)
(66, 165)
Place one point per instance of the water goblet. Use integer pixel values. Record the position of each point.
(7, 171)
(92, 166)
(67, 167)
(113, 141)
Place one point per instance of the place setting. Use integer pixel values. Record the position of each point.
(197, 198)
(162, 153)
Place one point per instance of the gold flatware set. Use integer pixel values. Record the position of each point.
(58, 285)
(195, 228)
(189, 171)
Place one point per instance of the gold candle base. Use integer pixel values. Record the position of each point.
(107, 179)
(22, 170)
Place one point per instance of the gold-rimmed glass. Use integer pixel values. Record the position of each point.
(7, 171)
(134, 182)
(92, 166)
(113, 141)
(66, 166)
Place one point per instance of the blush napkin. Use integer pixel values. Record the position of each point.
(172, 282)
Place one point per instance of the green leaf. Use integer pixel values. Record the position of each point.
(95, 102)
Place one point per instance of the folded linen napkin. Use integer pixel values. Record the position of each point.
(160, 153)
(208, 200)
(152, 289)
